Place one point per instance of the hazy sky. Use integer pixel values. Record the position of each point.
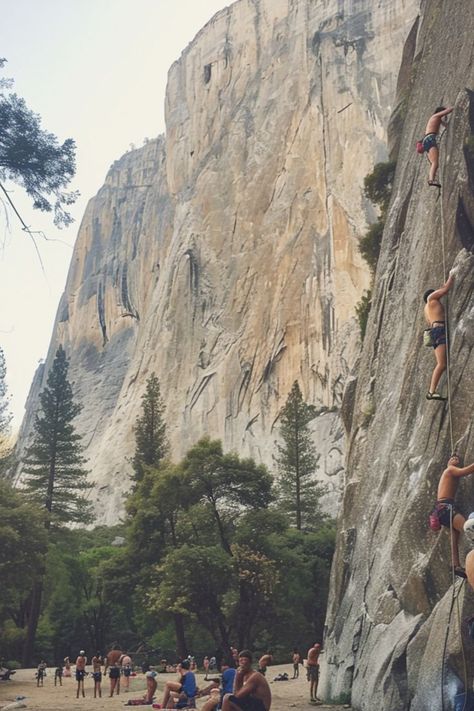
(95, 70)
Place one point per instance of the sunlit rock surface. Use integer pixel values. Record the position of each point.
(224, 256)
(390, 598)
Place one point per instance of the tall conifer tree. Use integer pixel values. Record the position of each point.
(54, 466)
(150, 429)
(297, 462)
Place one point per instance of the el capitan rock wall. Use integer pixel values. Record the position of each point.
(224, 256)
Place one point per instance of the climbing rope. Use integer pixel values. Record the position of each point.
(454, 599)
(448, 363)
(455, 594)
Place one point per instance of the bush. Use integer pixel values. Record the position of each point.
(378, 185)
(369, 246)
(363, 311)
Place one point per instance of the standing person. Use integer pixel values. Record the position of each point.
(445, 509)
(296, 664)
(251, 689)
(58, 675)
(435, 317)
(40, 672)
(430, 145)
(81, 662)
(313, 671)
(97, 662)
(212, 664)
(265, 661)
(126, 662)
(67, 667)
(205, 665)
(114, 676)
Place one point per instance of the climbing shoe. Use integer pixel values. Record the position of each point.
(434, 184)
(435, 396)
(460, 572)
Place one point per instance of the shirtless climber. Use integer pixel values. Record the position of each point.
(445, 508)
(430, 145)
(435, 317)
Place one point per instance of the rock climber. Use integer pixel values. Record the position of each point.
(445, 509)
(430, 144)
(435, 317)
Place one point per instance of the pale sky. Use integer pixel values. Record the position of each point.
(95, 71)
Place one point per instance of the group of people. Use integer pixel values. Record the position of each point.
(445, 513)
(118, 669)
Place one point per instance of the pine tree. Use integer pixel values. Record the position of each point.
(54, 463)
(297, 461)
(54, 466)
(150, 430)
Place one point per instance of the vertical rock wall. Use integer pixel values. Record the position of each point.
(224, 255)
(390, 598)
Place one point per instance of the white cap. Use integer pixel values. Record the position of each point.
(82, 652)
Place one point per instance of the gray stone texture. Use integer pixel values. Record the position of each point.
(391, 590)
(223, 256)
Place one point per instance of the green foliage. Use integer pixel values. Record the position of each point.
(23, 544)
(54, 462)
(33, 158)
(151, 444)
(363, 311)
(369, 245)
(297, 461)
(378, 185)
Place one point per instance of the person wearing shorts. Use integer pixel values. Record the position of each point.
(81, 662)
(114, 676)
(312, 671)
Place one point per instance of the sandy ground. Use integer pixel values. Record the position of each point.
(285, 694)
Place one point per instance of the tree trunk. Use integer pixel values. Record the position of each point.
(180, 638)
(33, 617)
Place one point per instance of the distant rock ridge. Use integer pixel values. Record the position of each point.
(224, 255)
(395, 632)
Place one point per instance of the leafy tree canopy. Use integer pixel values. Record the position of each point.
(33, 158)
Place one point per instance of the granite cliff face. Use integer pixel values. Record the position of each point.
(391, 600)
(224, 256)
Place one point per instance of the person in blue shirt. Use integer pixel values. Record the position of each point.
(180, 694)
(216, 692)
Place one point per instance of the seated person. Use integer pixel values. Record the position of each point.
(251, 689)
(226, 687)
(180, 694)
(151, 684)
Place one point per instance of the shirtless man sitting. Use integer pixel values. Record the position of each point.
(430, 145)
(251, 690)
(445, 508)
(435, 317)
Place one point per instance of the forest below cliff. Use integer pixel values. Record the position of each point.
(213, 550)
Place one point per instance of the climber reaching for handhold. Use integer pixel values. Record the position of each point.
(445, 510)
(435, 317)
(430, 143)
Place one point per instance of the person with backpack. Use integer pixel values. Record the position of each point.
(430, 141)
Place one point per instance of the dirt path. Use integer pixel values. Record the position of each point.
(285, 694)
